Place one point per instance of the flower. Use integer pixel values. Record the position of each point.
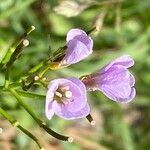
(114, 80)
(79, 46)
(67, 99)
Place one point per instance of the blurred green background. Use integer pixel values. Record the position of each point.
(124, 29)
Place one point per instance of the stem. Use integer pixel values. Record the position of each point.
(14, 45)
(40, 122)
(6, 78)
(16, 124)
(15, 94)
(30, 95)
(12, 59)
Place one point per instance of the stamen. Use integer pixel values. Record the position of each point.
(65, 88)
(58, 94)
(68, 94)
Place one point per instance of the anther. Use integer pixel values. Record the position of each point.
(68, 94)
(58, 94)
(65, 88)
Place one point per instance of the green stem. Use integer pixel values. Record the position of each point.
(14, 45)
(6, 78)
(15, 94)
(30, 95)
(40, 122)
(16, 124)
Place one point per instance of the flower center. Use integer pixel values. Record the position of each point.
(63, 94)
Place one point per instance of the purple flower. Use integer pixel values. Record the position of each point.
(79, 46)
(67, 99)
(114, 80)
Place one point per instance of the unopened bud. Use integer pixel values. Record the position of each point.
(36, 78)
(44, 79)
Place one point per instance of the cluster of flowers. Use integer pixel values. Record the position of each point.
(67, 98)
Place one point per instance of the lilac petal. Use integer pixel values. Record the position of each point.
(116, 84)
(132, 80)
(132, 95)
(124, 60)
(49, 103)
(86, 40)
(115, 75)
(62, 111)
(118, 98)
(49, 111)
(81, 36)
(73, 33)
(79, 83)
(75, 52)
(52, 87)
(116, 93)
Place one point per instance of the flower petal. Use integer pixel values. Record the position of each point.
(75, 52)
(49, 103)
(79, 83)
(86, 40)
(124, 60)
(62, 111)
(116, 84)
(132, 80)
(73, 33)
(49, 111)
